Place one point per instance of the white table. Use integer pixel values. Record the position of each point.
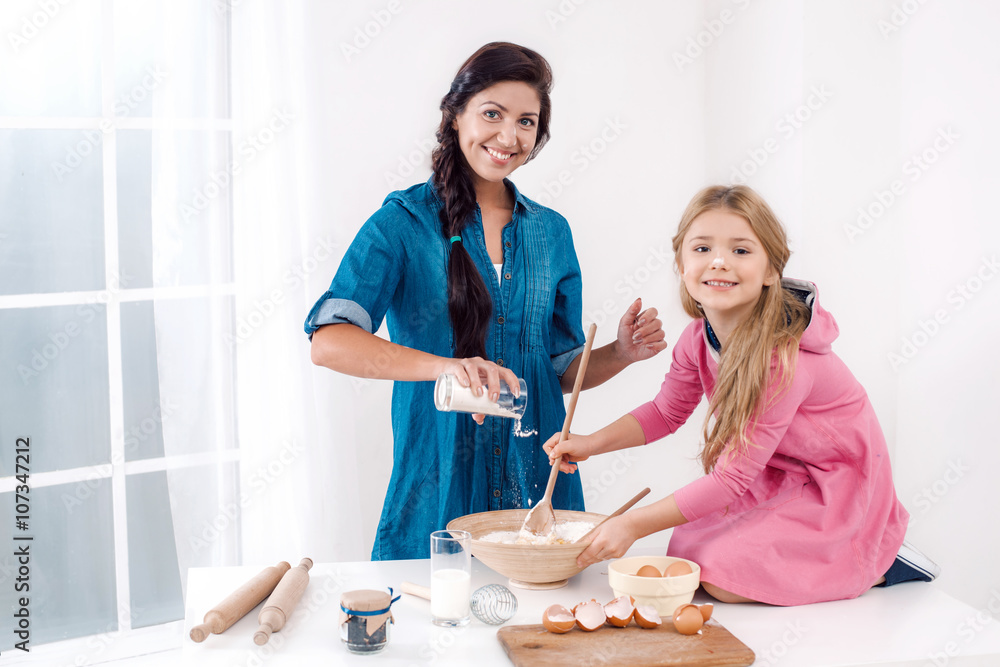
(908, 624)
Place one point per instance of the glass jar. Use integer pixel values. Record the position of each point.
(366, 619)
(451, 396)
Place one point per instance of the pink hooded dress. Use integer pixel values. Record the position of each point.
(810, 514)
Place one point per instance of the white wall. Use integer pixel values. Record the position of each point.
(881, 91)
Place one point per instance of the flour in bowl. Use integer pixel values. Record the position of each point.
(564, 533)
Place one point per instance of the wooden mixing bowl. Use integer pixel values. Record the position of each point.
(534, 566)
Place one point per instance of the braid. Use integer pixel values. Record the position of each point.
(469, 302)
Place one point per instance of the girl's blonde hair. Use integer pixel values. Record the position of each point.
(763, 347)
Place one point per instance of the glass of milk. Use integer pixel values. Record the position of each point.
(450, 396)
(451, 577)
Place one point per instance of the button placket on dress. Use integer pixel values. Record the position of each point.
(500, 335)
(498, 426)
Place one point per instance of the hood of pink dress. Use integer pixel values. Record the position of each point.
(822, 330)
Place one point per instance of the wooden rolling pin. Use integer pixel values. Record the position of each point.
(222, 616)
(282, 602)
(416, 590)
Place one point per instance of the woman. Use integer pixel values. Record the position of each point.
(477, 281)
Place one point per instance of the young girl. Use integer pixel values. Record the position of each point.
(797, 504)
(478, 281)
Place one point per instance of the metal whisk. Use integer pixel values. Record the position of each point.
(494, 604)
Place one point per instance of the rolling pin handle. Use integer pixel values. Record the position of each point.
(416, 590)
(200, 632)
(263, 634)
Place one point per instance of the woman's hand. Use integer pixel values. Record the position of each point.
(574, 448)
(611, 540)
(640, 334)
(482, 375)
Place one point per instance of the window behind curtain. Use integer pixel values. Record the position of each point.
(116, 302)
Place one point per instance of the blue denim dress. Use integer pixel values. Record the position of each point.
(444, 464)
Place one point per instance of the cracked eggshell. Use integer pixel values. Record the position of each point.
(706, 610)
(589, 615)
(558, 619)
(647, 617)
(620, 610)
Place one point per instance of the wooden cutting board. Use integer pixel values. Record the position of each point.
(534, 646)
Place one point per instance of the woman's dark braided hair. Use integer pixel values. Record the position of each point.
(469, 302)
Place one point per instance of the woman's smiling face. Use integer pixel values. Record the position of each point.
(498, 128)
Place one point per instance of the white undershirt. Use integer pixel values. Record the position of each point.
(498, 268)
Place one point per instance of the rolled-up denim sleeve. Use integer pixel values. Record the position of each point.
(367, 277)
(566, 334)
(562, 361)
(331, 310)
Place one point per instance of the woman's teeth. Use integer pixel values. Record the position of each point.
(718, 283)
(498, 155)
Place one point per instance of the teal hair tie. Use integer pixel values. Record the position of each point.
(456, 238)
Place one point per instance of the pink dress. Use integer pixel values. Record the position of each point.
(811, 513)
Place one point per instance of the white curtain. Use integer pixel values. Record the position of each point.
(296, 422)
(192, 267)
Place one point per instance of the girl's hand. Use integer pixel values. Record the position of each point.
(640, 334)
(573, 448)
(611, 540)
(482, 376)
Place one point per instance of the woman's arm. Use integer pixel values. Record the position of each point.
(351, 350)
(640, 336)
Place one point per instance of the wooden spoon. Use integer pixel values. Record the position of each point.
(621, 510)
(542, 518)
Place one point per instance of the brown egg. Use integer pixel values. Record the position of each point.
(590, 615)
(706, 610)
(558, 619)
(677, 569)
(687, 619)
(619, 611)
(648, 571)
(647, 617)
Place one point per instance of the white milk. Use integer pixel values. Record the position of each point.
(450, 592)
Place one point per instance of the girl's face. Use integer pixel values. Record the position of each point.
(724, 266)
(498, 128)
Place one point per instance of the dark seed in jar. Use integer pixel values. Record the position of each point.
(358, 637)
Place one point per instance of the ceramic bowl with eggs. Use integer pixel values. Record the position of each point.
(635, 576)
(534, 566)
